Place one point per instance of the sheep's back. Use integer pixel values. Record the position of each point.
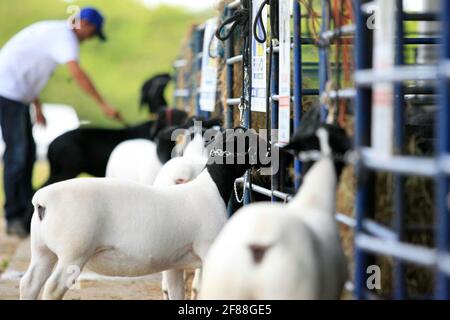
(288, 269)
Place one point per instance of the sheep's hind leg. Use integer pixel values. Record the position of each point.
(175, 284)
(165, 286)
(41, 266)
(62, 278)
(196, 284)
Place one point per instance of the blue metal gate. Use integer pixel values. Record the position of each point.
(371, 237)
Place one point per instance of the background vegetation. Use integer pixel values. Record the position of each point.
(141, 43)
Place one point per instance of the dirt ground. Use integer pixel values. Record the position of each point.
(14, 259)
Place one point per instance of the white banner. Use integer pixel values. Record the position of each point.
(259, 64)
(208, 84)
(285, 73)
(383, 93)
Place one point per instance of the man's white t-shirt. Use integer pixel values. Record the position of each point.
(28, 60)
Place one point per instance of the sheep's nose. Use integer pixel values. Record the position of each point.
(181, 181)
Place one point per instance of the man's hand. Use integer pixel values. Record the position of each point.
(40, 118)
(112, 113)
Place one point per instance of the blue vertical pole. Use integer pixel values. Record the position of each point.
(248, 111)
(229, 53)
(198, 50)
(298, 82)
(274, 89)
(364, 192)
(399, 181)
(323, 58)
(274, 110)
(443, 148)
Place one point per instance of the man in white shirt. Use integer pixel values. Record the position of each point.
(27, 62)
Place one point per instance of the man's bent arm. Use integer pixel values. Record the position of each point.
(86, 84)
(84, 81)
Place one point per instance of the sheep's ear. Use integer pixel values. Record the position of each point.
(324, 141)
(212, 123)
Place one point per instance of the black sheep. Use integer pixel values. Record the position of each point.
(87, 150)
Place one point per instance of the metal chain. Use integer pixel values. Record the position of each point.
(243, 106)
(219, 153)
(240, 200)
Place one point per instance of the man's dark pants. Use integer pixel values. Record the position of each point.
(18, 160)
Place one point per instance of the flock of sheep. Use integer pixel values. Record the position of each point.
(163, 208)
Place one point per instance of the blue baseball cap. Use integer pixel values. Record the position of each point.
(94, 16)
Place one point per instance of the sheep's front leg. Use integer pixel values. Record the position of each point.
(62, 278)
(175, 284)
(196, 284)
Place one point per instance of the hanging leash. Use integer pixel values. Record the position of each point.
(274, 42)
(240, 18)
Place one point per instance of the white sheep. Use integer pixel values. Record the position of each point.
(134, 160)
(185, 168)
(121, 228)
(137, 161)
(181, 170)
(275, 251)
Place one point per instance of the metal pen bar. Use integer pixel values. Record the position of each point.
(445, 68)
(406, 252)
(285, 197)
(422, 41)
(235, 59)
(266, 192)
(323, 59)
(229, 53)
(346, 220)
(179, 64)
(329, 35)
(404, 165)
(310, 92)
(443, 149)
(248, 113)
(276, 178)
(396, 74)
(413, 16)
(198, 43)
(364, 191)
(340, 94)
(413, 254)
(400, 291)
(181, 93)
(374, 228)
(298, 84)
(233, 102)
(367, 9)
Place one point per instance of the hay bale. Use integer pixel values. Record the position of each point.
(419, 208)
(184, 76)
